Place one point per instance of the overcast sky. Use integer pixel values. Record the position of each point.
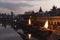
(20, 6)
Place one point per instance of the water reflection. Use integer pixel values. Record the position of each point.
(8, 34)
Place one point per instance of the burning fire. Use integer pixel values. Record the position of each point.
(46, 24)
(29, 21)
(29, 36)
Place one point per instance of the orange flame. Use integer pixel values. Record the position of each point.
(29, 36)
(46, 24)
(29, 21)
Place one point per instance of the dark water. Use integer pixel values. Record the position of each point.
(8, 34)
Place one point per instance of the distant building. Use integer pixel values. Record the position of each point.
(40, 10)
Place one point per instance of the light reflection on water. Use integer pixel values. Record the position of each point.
(10, 34)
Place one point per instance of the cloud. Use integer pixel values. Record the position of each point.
(18, 1)
(13, 6)
(22, 0)
(9, 6)
(20, 6)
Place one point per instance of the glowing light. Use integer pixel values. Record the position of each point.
(15, 20)
(29, 21)
(46, 24)
(29, 36)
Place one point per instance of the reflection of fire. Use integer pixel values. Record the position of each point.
(29, 21)
(15, 20)
(29, 36)
(46, 24)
